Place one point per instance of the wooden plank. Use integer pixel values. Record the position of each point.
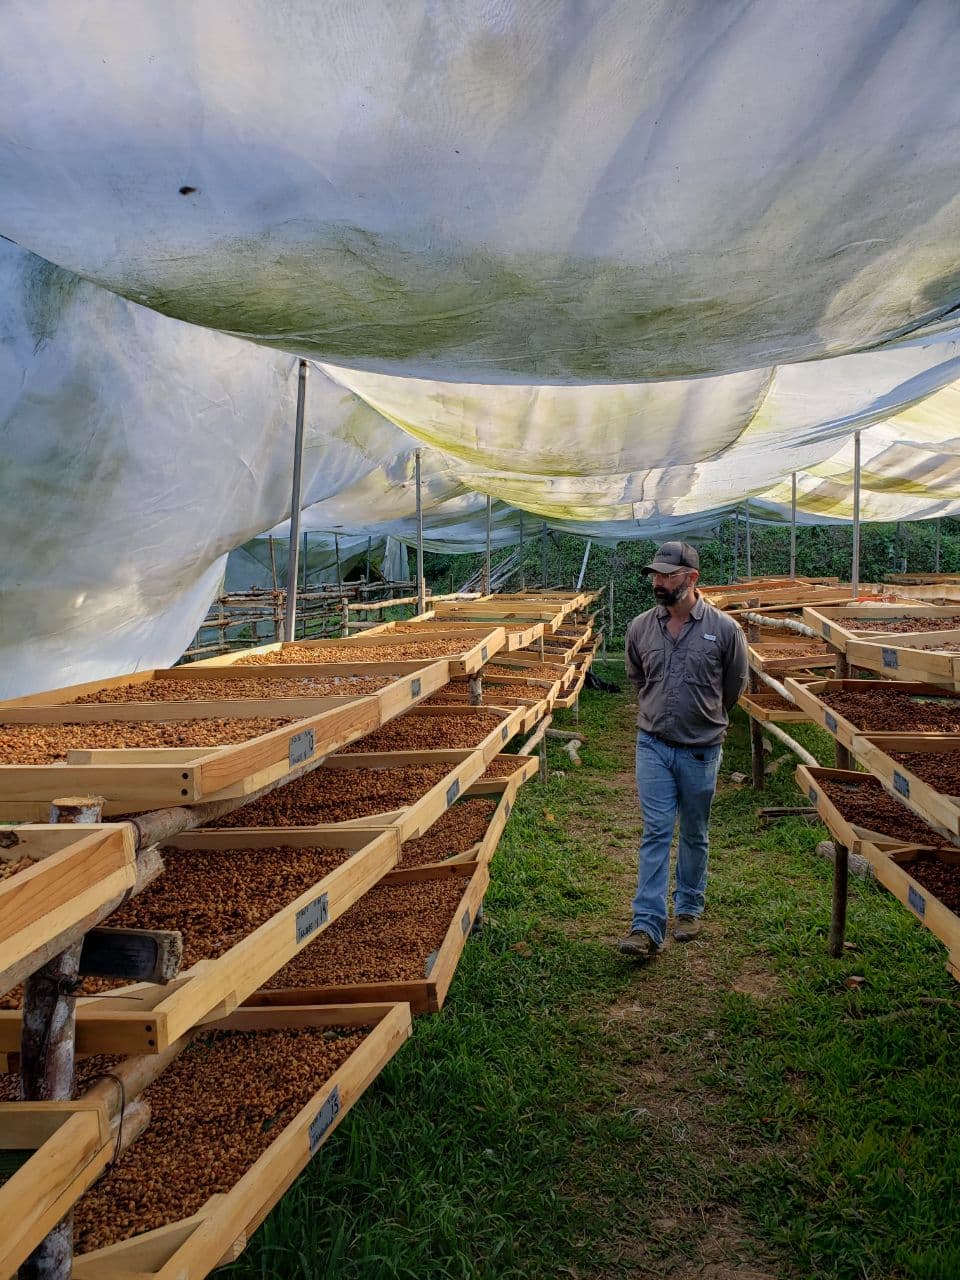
(772, 715)
(64, 886)
(157, 712)
(39, 1194)
(226, 1219)
(424, 995)
(917, 660)
(147, 1018)
(838, 625)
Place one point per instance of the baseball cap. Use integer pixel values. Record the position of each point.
(673, 556)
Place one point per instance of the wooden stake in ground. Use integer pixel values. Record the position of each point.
(838, 917)
(756, 732)
(47, 1048)
(842, 757)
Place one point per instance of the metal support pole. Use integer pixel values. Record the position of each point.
(611, 610)
(523, 572)
(542, 764)
(336, 552)
(543, 556)
(421, 593)
(793, 525)
(290, 619)
(47, 1049)
(936, 550)
(486, 565)
(855, 555)
(583, 567)
(736, 544)
(369, 550)
(746, 513)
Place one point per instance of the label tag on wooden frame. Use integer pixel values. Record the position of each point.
(301, 747)
(324, 1118)
(311, 917)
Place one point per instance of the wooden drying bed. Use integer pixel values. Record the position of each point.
(463, 654)
(149, 1017)
(819, 701)
(417, 920)
(896, 862)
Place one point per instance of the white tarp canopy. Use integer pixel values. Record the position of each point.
(497, 192)
(138, 451)
(622, 268)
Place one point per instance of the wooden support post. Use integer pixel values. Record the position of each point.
(344, 618)
(542, 763)
(576, 710)
(47, 1049)
(838, 916)
(842, 757)
(476, 690)
(756, 731)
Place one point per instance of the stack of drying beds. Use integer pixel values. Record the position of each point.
(772, 652)
(349, 816)
(341, 866)
(903, 814)
(551, 640)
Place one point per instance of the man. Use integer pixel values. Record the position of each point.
(688, 663)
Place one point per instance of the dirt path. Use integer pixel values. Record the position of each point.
(669, 1069)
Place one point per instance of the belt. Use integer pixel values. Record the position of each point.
(682, 746)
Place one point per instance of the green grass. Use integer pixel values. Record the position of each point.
(571, 1114)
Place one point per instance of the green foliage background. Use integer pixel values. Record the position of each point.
(821, 549)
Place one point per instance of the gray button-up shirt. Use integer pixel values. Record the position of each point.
(687, 687)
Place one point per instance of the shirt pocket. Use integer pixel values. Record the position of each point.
(653, 664)
(703, 665)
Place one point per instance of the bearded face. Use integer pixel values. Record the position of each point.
(670, 595)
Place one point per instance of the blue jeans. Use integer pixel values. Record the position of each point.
(672, 782)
